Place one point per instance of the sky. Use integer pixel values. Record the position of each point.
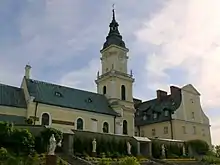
(171, 42)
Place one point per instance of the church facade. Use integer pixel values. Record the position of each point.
(113, 109)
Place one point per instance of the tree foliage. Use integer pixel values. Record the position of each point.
(42, 141)
(199, 147)
(17, 140)
(217, 150)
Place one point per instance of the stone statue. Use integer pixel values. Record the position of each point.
(98, 74)
(131, 73)
(94, 145)
(163, 150)
(53, 144)
(184, 151)
(129, 148)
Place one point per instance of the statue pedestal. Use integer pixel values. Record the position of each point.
(94, 154)
(51, 159)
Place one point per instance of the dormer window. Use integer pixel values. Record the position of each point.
(166, 113)
(89, 100)
(58, 94)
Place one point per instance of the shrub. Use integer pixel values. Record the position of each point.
(103, 162)
(3, 154)
(108, 147)
(22, 141)
(129, 161)
(29, 121)
(6, 130)
(210, 159)
(198, 146)
(156, 149)
(173, 150)
(45, 137)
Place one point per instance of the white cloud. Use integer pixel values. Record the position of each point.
(188, 35)
(49, 36)
(84, 77)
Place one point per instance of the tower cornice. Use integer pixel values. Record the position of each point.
(114, 46)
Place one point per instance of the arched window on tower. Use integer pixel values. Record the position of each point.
(45, 119)
(104, 90)
(105, 127)
(79, 124)
(123, 93)
(125, 127)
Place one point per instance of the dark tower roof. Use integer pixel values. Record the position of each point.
(114, 37)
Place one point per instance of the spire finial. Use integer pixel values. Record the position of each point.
(113, 11)
(113, 6)
(114, 36)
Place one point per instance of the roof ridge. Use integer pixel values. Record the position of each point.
(1, 84)
(63, 86)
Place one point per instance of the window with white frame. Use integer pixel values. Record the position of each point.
(165, 130)
(166, 113)
(184, 129)
(45, 119)
(79, 124)
(153, 132)
(194, 129)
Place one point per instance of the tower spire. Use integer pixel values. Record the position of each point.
(114, 37)
(113, 11)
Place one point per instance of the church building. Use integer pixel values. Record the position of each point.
(113, 109)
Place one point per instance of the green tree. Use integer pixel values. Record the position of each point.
(47, 133)
(198, 146)
(217, 150)
(22, 141)
(6, 130)
(29, 121)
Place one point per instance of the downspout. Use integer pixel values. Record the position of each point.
(35, 112)
(139, 131)
(171, 124)
(114, 124)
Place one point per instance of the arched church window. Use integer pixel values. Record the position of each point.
(104, 90)
(105, 127)
(125, 127)
(45, 119)
(123, 92)
(79, 124)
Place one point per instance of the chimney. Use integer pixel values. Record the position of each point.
(161, 94)
(174, 90)
(27, 71)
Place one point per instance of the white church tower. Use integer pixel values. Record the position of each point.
(115, 82)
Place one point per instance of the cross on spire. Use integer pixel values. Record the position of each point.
(113, 6)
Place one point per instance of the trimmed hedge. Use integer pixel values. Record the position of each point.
(42, 141)
(172, 149)
(199, 147)
(106, 145)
